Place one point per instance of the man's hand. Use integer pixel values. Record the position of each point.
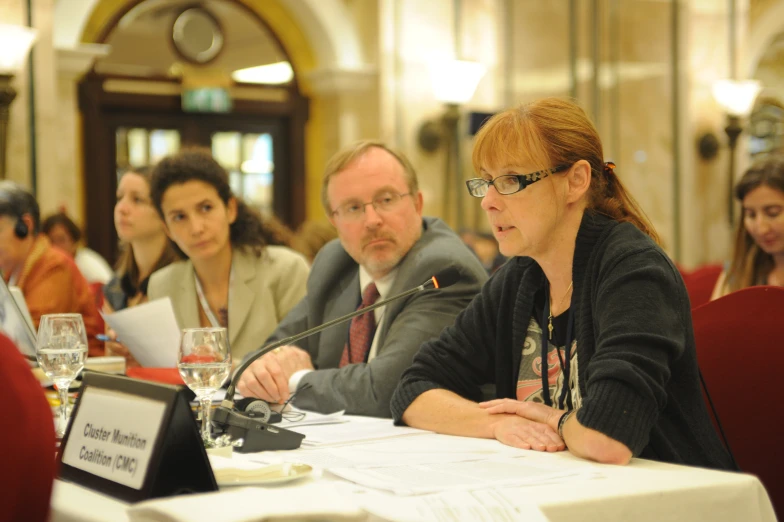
(268, 377)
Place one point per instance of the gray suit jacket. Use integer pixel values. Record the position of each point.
(333, 291)
(263, 290)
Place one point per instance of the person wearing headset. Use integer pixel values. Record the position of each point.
(49, 279)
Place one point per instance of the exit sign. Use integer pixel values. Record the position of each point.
(206, 99)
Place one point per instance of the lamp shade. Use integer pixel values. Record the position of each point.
(736, 96)
(454, 81)
(270, 74)
(15, 42)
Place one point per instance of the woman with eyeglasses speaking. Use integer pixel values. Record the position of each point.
(586, 332)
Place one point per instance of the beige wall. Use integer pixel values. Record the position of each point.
(56, 132)
(18, 163)
(413, 34)
(391, 97)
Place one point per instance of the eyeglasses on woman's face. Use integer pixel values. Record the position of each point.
(509, 183)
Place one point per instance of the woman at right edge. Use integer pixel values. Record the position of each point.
(588, 295)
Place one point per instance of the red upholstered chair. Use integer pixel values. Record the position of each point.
(700, 283)
(27, 441)
(740, 349)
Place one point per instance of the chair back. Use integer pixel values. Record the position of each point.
(700, 283)
(740, 349)
(27, 439)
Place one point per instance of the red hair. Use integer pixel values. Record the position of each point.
(552, 132)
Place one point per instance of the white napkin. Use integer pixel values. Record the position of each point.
(316, 500)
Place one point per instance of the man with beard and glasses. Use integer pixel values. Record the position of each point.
(384, 247)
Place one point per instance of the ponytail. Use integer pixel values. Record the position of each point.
(609, 197)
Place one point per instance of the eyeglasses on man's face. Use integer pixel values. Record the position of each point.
(355, 210)
(509, 183)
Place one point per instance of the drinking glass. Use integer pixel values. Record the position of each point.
(61, 349)
(204, 362)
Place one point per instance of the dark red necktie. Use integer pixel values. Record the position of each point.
(360, 334)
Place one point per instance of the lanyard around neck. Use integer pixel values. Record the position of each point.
(565, 400)
(203, 300)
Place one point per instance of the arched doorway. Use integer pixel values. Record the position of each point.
(146, 99)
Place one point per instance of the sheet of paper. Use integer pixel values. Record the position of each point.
(352, 433)
(453, 506)
(403, 451)
(473, 475)
(294, 417)
(149, 331)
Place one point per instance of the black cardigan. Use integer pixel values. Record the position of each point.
(637, 362)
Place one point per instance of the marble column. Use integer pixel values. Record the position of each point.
(72, 64)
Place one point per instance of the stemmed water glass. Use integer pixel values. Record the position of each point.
(204, 362)
(61, 349)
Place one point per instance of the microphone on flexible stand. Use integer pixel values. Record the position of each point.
(258, 435)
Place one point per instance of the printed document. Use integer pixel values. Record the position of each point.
(149, 331)
(453, 506)
(354, 432)
(403, 451)
(433, 478)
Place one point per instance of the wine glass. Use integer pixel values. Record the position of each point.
(204, 362)
(61, 349)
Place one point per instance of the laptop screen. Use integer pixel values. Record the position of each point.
(14, 322)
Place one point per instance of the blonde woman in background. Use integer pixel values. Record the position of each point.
(145, 249)
(758, 256)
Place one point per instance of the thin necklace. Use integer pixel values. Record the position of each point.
(550, 319)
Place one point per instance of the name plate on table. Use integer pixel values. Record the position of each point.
(134, 440)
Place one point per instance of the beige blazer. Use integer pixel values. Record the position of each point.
(262, 292)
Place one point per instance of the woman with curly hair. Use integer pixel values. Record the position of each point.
(233, 276)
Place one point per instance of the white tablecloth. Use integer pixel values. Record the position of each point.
(642, 491)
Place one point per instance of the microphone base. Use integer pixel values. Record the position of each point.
(256, 434)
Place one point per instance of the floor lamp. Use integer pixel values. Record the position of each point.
(15, 42)
(737, 99)
(454, 83)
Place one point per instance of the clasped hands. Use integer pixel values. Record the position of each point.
(268, 377)
(526, 425)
